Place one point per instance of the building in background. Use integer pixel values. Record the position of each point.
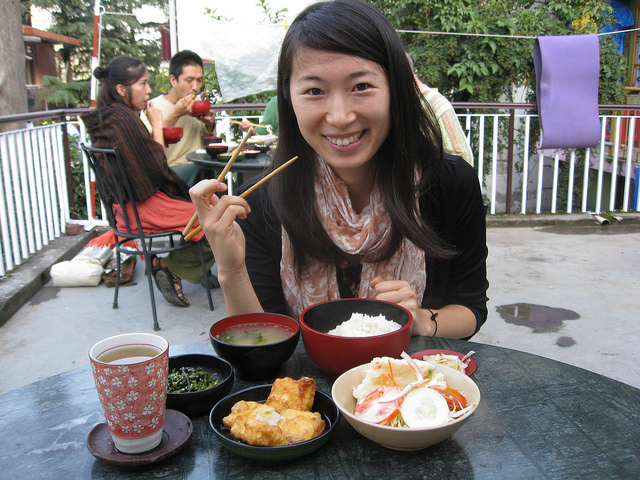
(40, 60)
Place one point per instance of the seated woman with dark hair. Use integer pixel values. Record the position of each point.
(161, 196)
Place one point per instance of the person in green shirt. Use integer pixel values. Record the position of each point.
(270, 118)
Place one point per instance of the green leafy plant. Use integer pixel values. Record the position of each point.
(59, 93)
(273, 16)
(212, 12)
(488, 53)
(79, 209)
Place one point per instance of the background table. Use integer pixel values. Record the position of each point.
(538, 418)
(245, 168)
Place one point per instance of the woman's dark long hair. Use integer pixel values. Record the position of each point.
(123, 70)
(414, 143)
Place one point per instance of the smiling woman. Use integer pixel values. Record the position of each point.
(372, 209)
(343, 113)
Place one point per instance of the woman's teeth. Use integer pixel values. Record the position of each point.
(343, 142)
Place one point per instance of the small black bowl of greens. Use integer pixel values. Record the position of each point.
(196, 382)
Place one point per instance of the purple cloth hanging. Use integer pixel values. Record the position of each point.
(567, 77)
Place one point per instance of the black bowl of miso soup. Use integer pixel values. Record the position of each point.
(255, 344)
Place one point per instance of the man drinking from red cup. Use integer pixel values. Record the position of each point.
(181, 109)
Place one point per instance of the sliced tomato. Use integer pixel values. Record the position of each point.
(454, 398)
(371, 410)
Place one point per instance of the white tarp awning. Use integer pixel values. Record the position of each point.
(245, 52)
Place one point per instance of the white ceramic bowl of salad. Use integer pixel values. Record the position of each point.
(403, 437)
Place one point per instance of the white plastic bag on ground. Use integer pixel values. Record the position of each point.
(76, 273)
(84, 270)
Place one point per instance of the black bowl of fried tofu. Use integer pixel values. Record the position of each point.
(264, 423)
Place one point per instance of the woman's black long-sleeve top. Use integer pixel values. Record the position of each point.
(454, 208)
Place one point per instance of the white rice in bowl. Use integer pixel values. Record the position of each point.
(363, 325)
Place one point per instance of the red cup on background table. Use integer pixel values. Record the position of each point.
(172, 135)
(130, 372)
(200, 108)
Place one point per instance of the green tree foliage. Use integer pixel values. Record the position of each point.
(273, 16)
(122, 34)
(491, 61)
(79, 209)
(484, 67)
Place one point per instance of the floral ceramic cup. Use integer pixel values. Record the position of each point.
(130, 372)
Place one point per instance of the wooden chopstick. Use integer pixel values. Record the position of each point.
(223, 174)
(252, 124)
(246, 193)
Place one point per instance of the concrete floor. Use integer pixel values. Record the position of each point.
(564, 292)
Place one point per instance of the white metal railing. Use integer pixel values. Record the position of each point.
(34, 196)
(609, 163)
(34, 203)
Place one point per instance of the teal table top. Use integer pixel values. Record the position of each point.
(538, 418)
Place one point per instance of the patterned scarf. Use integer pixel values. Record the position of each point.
(365, 233)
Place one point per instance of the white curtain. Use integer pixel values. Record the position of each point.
(245, 54)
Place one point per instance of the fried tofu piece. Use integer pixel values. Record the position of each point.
(256, 432)
(294, 394)
(298, 426)
(241, 408)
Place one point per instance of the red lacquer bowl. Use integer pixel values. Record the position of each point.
(200, 108)
(335, 354)
(210, 140)
(172, 135)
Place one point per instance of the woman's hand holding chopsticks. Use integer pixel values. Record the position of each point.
(264, 179)
(218, 220)
(217, 216)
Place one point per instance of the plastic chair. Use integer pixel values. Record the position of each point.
(115, 189)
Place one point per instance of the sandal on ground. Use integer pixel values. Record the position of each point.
(212, 279)
(171, 288)
(156, 266)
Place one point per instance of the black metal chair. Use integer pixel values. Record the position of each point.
(115, 189)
